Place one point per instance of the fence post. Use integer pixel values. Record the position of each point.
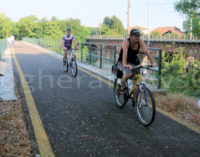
(56, 46)
(90, 53)
(115, 50)
(81, 52)
(100, 56)
(0, 49)
(50, 44)
(60, 46)
(159, 68)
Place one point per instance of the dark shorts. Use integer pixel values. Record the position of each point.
(68, 48)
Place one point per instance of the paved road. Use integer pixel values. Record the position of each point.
(81, 119)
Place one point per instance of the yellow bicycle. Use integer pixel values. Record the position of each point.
(142, 97)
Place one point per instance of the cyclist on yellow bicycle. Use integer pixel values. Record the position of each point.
(129, 55)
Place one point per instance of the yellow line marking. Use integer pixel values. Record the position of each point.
(41, 137)
(178, 120)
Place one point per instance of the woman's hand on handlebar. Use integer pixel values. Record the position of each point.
(77, 48)
(154, 65)
(128, 66)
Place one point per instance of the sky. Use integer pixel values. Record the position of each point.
(92, 12)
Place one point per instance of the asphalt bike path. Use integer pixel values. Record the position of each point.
(80, 117)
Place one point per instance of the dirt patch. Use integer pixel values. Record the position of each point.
(14, 137)
(180, 106)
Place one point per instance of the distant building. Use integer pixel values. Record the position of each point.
(168, 30)
(142, 29)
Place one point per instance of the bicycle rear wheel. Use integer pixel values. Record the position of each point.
(121, 99)
(74, 67)
(145, 106)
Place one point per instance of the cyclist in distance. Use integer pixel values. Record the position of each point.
(128, 56)
(67, 40)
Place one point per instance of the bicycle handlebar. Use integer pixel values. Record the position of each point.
(137, 67)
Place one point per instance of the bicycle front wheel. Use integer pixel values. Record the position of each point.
(65, 66)
(74, 68)
(145, 106)
(121, 99)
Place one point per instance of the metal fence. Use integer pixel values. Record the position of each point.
(3, 45)
(101, 55)
(152, 37)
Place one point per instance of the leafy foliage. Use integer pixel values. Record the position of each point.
(27, 27)
(32, 26)
(6, 26)
(180, 77)
(112, 26)
(191, 9)
(156, 34)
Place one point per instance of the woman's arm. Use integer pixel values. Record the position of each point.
(63, 44)
(75, 44)
(125, 51)
(145, 50)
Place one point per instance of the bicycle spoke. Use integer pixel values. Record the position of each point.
(147, 113)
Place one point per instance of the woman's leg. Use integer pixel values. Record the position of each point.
(65, 55)
(124, 79)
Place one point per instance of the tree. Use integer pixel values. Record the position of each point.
(191, 9)
(105, 30)
(6, 26)
(51, 30)
(32, 26)
(27, 26)
(156, 34)
(114, 26)
(107, 21)
(117, 25)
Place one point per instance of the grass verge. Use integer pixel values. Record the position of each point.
(14, 137)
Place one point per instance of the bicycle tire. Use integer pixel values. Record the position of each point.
(116, 95)
(138, 108)
(66, 66)
(74, 73)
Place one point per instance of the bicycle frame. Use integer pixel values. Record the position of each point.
(138, 84)
(70, 57)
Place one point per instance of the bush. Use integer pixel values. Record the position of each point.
(177, 79)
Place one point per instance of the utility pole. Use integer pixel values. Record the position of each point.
(148, 44)
(129, 10)
(100, 29)
(191, 28)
